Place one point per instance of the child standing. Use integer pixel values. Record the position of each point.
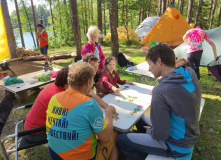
(110, 77)
(40, 21)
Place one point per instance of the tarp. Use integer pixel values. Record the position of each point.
(143, 28)
(122, 35)
(170, 29)
(4, 50)
(208, 56)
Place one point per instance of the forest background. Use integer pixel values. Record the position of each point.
(57, 16)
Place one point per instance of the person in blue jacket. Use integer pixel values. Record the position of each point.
(172, 128)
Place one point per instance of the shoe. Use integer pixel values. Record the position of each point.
(46, 64)
(50, 60)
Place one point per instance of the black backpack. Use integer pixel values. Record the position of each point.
(121, 59)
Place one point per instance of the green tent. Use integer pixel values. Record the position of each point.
(208, 56)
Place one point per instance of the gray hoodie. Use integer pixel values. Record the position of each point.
(175, 110)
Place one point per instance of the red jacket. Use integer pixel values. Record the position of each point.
(90, 48)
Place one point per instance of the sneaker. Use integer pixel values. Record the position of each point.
(46, 64)
(50, 60)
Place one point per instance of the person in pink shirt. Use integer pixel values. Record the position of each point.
(93, 47)
(36, 117)
(193, 40)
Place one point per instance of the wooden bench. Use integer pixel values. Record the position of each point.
(155, 157)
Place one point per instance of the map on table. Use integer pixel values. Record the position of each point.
(132, 102)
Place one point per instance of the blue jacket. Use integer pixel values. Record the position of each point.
(175, 108)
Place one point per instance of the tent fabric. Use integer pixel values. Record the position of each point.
(122, 35)
(170, 29)
(146, 26)
(207, 55)
(4, 50)
(215, 68)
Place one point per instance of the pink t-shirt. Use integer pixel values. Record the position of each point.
(36, 117)
(194, 38)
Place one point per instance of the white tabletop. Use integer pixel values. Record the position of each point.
(15, 88)
(142, 69)
(124, 107)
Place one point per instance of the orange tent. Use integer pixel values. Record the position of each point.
(170, 29)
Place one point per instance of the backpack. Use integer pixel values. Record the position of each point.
(121, 59)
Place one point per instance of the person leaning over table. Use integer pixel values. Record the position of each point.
(93, 47)
(36, 116)
(74, 120)
(172, 128)
(93, 61)
(193, 40)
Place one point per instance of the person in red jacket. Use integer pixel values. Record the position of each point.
(110, 77)
(93, 47)
(36, 117)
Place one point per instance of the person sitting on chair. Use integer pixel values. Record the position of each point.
(74, 119)
(36, 117)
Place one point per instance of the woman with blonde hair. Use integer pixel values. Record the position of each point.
(93, 47)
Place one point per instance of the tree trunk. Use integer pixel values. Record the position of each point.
(159, 8)
(34, 17)
(219, 17)
(123, 20)
(99, 21)
(52, 19)
(212, 15)
(181, 6)
(85, 15)
(198, 11)
(210, 11)
(19, 23)
(82, 14)
(92, 11)
(149, 10)
(9, 29)
(131, 21)
(29, 22)
(88, 8)
(59, 12)
(189, 13)
(113, 25)
(164, 3)
(139, 16)
(126, 14)
(76, 28)
(178, 3)
(66, 18)
(173, 2)
(104, 19)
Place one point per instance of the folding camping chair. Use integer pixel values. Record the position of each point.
(215, 68)
(4, 67)
(24, 143)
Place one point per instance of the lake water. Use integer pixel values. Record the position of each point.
(28, 40)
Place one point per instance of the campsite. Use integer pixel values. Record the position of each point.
(136, 24)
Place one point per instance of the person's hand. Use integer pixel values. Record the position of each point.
(111, 109)
(115, 90)
(36, 33)
(131, 83)
(90, 93)
(115, 115)
(145, 49)
(146, 127)
(99, 71)
(41, 34)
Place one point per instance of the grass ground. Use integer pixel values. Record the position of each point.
(209, 145)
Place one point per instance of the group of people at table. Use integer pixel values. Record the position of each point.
(75, 122)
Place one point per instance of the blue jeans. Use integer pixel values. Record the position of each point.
(194, 59)
(136, 146)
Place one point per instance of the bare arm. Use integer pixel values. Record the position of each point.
(103, 104)
(105, 135)
(214, 50)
